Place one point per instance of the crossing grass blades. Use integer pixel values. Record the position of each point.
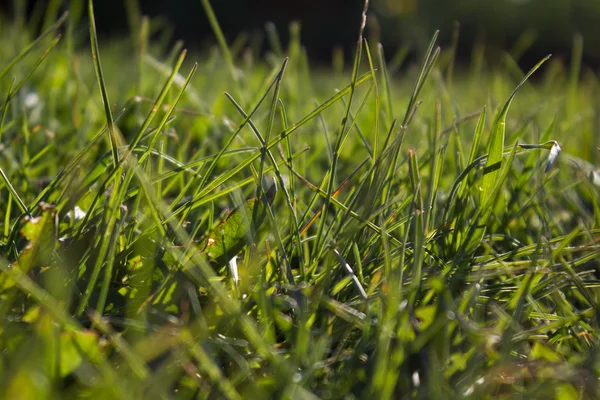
(231, 225)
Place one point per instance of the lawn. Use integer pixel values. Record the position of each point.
(231, 223)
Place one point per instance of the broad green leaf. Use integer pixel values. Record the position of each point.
(74, 344)
(542, 352)
(40, 232)
(230, 236)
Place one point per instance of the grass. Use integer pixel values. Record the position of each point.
(424, 241)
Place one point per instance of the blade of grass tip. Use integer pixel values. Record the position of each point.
(100, 76)
(29, 47)
(134, 16)
(214, 23)
(496, 142)
(169, 112)
(76, 12)
(26, 78)
(273, 37)
(428, 62)
(340, 136)
(376, 131)
(431, 57)
(453, 47)
(52, 10)
(386, 83)
(160, 100)
(576, 57)
(142, 49)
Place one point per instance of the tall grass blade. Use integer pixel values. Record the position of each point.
(496, 141)
(112, 133)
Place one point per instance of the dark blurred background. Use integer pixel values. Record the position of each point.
(326, 24)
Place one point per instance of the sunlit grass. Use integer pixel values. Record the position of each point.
(426, 240)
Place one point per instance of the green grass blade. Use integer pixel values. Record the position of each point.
(342, 132)
(387, 85)
(30, 73)
(214, 23)
(29, 47)
(496, 141)
(160, 100)
(14, 193)
(112, 133)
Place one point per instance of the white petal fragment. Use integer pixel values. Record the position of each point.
(234, 270)
(554, 151)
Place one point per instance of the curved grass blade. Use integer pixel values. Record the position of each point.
(29, 47)
(37, 64)
(265, 140)
(100, 76)
(496, 143)
(214, 23)
(14, 193)
(243, 164)
(342, 133)
(159, 101)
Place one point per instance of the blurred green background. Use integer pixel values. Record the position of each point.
(544, 26)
